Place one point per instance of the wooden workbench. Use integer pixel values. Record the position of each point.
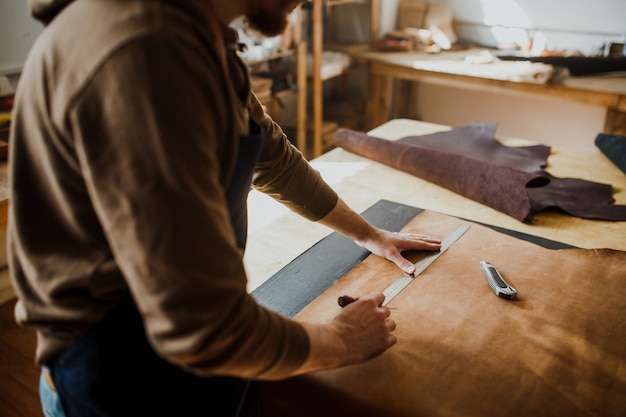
(277, 236)
(453, 344)
(450, 69)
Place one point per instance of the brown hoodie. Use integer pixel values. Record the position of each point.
(123, 140)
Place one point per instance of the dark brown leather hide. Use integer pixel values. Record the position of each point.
(470, 161)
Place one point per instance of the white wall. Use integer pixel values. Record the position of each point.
(571, 24)
(584, 25)
(548, 121)
(18, 32)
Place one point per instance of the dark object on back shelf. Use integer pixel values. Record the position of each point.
(577, 65)
(395, 43)
(614, 148)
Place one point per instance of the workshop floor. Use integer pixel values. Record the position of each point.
(18, 374)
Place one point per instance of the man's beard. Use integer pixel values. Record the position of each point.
(267, 23)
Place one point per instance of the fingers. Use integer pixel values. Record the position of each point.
(366, 327)
(407, 266)
(391, 326)
(386, 323)
(378, 297)
(411, 242)
(404, 243)
(423, 242)
(402, 263)
(418, 236)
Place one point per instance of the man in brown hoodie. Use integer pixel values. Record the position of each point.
(134, 143)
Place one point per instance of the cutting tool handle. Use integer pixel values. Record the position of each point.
(499, 286)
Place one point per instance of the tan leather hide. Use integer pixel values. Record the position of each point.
(558, 350)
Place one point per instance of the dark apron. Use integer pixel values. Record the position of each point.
(113, 371)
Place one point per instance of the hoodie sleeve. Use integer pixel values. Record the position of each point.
(286, 175)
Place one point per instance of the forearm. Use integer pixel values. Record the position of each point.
(349, 223)
(283, 173)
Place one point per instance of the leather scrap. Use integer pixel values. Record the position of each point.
(471, 162)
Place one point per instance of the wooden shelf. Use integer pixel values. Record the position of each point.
(318, 47)
(299, 51)
(271, 57)
(340, 2)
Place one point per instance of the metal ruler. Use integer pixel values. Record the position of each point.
(401, 283)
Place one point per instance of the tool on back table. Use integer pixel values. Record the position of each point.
(402, 282)
(500, 287)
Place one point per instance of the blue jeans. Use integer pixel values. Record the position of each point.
(50, 400)
(112, 371)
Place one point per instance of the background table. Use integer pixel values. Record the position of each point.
(449, 69)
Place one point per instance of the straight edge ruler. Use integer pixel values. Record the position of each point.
(401, 283)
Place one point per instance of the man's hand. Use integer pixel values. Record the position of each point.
(391, 245)
(380, 242)
(363, 329)
(360, 331)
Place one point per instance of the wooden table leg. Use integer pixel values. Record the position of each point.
(615, 122)
(406, 101)
(379, 104)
